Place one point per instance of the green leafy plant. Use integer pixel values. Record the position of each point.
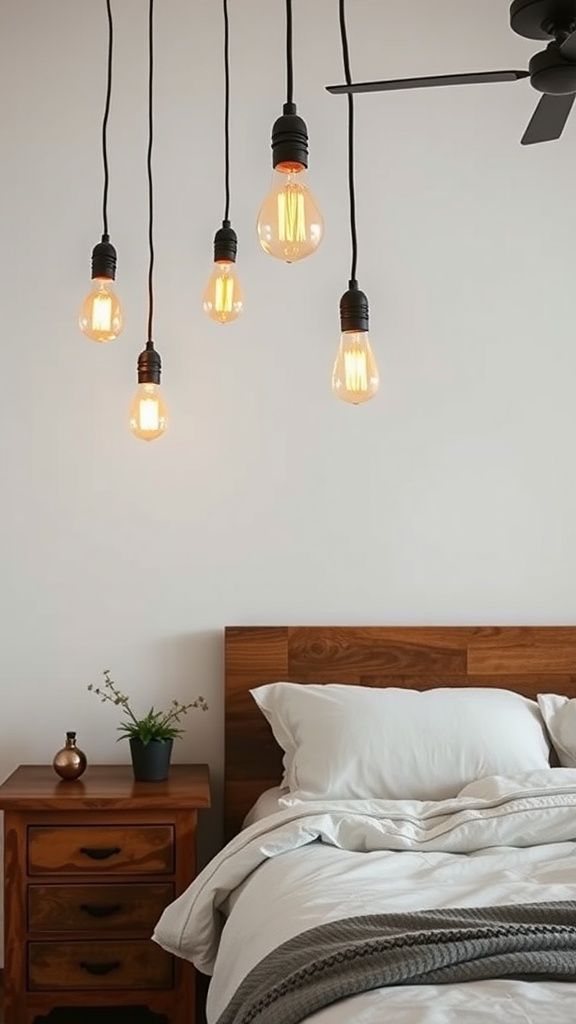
(155, 725)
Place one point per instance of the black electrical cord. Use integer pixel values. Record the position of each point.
(105, 119)
(225, 240)
(351, 184)
(289, 57)
(150, 342)
(149, 361)
(226, 111)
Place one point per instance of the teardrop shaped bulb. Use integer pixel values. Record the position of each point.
(101, 318)
(290, 225)
(148, 413)
(355, 376)
(223, 296)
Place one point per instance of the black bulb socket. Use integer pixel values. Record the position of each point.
(290, 138)
(354, 312)
(149, 365)
(225, 244)
(104, 260)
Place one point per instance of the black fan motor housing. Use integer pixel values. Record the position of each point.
(543, 19)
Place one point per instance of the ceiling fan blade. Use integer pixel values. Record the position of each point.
(548, 119)
(568, 47)
(473, 78)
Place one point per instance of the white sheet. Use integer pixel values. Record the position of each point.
(502, 841)
(267, 803)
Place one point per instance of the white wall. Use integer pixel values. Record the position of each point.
(449, 499)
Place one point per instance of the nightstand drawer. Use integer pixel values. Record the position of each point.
(65, 908)
(88, 849)
(139, 964)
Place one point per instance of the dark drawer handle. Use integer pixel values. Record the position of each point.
(100, 909)
(100, 968)
(100, 852)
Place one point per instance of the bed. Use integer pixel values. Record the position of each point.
(400, 809)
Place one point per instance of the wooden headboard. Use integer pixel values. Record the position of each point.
(527, 659)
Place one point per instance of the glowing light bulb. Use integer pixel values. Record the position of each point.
(223, 297)
(148, 413)
(355, 375)
(290, 225)
(101, 318)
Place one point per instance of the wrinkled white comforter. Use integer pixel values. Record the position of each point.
(503, 840)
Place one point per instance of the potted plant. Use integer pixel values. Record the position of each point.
(151, 737)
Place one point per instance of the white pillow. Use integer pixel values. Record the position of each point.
(356, 742)
(559, 714)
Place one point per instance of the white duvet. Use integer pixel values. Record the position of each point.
(502, 840)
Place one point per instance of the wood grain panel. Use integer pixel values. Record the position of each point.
(93, 849)
(264, 651)
(135, 964)
(526, 659)
(360, 651)
(109, 785)
(92, 908)
(549, 659)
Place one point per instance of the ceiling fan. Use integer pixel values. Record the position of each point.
(551, 71)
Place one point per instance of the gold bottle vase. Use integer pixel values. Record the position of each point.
(70, 762)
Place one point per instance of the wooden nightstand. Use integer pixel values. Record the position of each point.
(89, 866)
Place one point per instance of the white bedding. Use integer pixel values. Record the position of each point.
(503, 840)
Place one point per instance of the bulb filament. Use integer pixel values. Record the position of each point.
(148, 414)
(291, 214)
(224, 294)
(102, 313)
(355, 370)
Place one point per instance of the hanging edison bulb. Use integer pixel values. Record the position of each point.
(355, 376)
(148, 413)
(101, 318)
(290, 225)
(223, 297)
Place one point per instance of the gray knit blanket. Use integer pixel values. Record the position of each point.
(341, 958)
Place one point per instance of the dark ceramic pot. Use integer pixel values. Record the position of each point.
(151, 761)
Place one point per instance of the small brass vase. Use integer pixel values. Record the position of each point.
(70, 762)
